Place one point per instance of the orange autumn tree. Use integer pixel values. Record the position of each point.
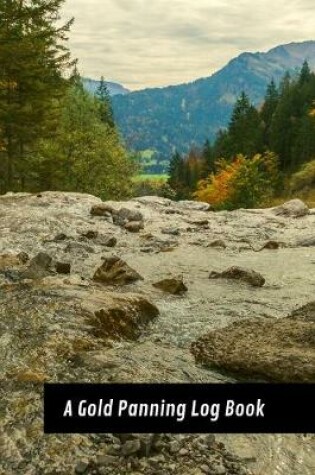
(242, 183)
(217, 188)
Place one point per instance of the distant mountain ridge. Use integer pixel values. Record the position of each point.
(114, 89)
(177, 117)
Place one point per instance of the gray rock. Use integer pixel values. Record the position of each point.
(237, 273)
(42, 260)
(90, 234)
(205, 469)
(60, 237)
(131, 447)
(23, 257)
(39, 267)
(174, 447)
(147, 250)
(106, 241)
(294, 208)
(114, 450)
(194, 205)
(218, 470)
(134, 226)
(171, 231)
(81, 468)
(127, 215)
(183, 452)
(78, 246)
(115, 271)
(104, 460)
(277, 350)
(217, 243)
(173, 286)
(271, 245)
(306, 242)
(63, 267)
(210, 440)
(102, 209)
(118, 316)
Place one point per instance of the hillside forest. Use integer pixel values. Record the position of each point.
(264, 153)
(55, 135)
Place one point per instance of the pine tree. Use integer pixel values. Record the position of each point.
(106, 110)
(305, 73)
(176, 173)
(209, 158)
(268, 110)
(245, 131)
(33, 58)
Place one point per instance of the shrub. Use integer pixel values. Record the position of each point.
(304, 179)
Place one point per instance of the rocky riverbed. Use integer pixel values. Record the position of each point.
(150, 290)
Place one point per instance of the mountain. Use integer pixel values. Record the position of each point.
(177, 117)
(114, 89)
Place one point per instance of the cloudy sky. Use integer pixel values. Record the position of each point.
(148, 43)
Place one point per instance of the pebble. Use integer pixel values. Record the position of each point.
(131, 447)
(81, 468)
(205, 469)
(171, 231)
(183, 452)
(106, 460)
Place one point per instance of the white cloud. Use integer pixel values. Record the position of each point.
(145, 43)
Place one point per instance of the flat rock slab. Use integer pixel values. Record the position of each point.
(282, 350)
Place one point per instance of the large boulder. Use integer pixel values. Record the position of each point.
(119, 316)
(238, 273)
(294, 208)
(282, 350)
(115, 271)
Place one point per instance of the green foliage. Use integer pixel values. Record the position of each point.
(86, 155)
(255, 181)
(304, 179)
(283, 124)
(292, 130)
(151, 185)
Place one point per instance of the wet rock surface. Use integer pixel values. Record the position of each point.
(72, 328)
